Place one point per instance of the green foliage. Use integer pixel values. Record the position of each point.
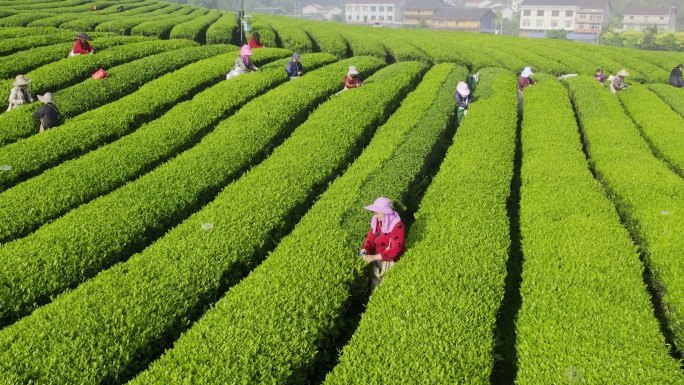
(327, 40)
(21, 19)
(88, 22)
(674, 97)
(68, 72)
(291, 37)
(25, 61)
(17, 44)
(162, 28)
(422, 24)
(223, 31)
(581, 272)
(659, 125)
(305, 290)
(464, 213)
(146, 300)
(195, 29)
(641, 187)
(123, 26)
(557, 34)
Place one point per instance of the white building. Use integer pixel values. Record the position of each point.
(326, 11)
(374, 11)
(545, 15)
(639, 19)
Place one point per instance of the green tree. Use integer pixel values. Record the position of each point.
(648, 41)
(422, 23)
(557, 34)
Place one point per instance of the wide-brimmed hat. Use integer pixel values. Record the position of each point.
(527, 72)
(680, 65)
(381, 205)
(352, 71)
(296, 56)
(623, 72)
(463, 89)
(20, 80)
(82, 36)
(47, 98)
(245, 50)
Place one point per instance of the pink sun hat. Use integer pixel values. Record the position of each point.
(381, 205)
(245, 50)
(463, 89)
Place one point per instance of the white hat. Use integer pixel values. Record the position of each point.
(527, 72)
(463, 89)
(623, 72)
(352, 71)
(47, 98)
(20, 80)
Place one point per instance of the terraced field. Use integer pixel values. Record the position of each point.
(178, 227)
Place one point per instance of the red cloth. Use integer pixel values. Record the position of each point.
(354, 82)
(377, 242)
(255, 44)
(524, 82)
(82, 47)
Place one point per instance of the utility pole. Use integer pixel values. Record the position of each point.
(241, 15)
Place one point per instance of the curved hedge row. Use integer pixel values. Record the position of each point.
(291, 36)
(581, 273)
(17, 44)
(102, 125)
(298, 286)
(223, 30)
(326, 40)
(401, 338)
(644, 190)
(124, 339)
(673, 96)
(67, 72)
(362, 44)
(21, 19)
(162, 28)
(84, 20)
(39, 199)
(195, 29)
(24, 61)
(123, 26)
(267, 34)
(9, 32)
(662, 128)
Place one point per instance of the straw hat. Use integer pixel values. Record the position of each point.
(381, 205)
(623, 72)
(463, 89)
(20, 80)
(47, 98)
(245, 50)
(83, 36)
(352, 71)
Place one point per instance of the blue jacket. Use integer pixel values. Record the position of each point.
(293, 67)
(463, 101)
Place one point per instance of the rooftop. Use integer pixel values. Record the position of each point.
(527, 3)
(463, 13)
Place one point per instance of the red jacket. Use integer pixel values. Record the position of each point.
(82, 47)
(255, 44)
(354, 82)
(524, 82)
(389, 245)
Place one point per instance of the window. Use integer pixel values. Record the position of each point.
(662, 17)
(382, 9)
(349, 17)
(540, 23)
(357, 9)
(568, 23)
(389, 18)
(554, 23)
(349, 9)
(595, 17)
(372, 17)
(540, 13)
(526, 23)
(365, 18)
(527, 13)
(555, 13)
(390, 9)
(373, 9)
(357, 17)
(595, 26)
(382, 17)
(583, 15)
(631, 18)
(365, 9)
(568, 13)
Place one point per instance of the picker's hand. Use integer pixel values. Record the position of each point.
(371, 258)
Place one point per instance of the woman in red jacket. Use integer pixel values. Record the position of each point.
(385, 240)
(81, 45)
